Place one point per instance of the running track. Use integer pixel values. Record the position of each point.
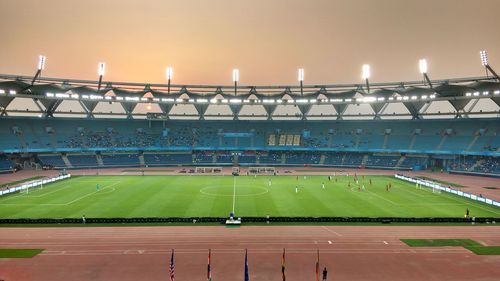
(349, 252)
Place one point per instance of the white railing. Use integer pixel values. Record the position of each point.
(33, 184)
(449, 190)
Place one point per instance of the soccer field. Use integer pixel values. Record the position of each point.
(217, 196)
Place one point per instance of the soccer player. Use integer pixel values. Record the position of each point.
(269, 183)
(325, 274)
(305, 177)
(467, 213)
(323, 185)
(370, 181)
(97, 187)
(296, 189)
(83, 219)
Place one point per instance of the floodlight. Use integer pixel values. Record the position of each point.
(101, 69)
(41, 62)
(170, 73)
(301, 74)
(236, 75)
(366, 71)
(423, 66)
(484, 57)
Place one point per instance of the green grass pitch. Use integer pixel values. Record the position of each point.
(203, 196)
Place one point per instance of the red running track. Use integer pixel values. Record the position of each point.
(349, 252)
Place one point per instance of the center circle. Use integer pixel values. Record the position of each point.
(212, 190)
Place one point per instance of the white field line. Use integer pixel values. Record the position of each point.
(390, 201)
(27, 195)
(331, 231)
(466, 202)
(92, 193)
(414, 193)
(38, 190)
(62, 204)
(234, 192)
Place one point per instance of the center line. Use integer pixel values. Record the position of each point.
(234, 192)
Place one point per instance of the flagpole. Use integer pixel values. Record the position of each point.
(209, 270)
(247, 278)
(171, 268)
(317, 266)
(283, 266)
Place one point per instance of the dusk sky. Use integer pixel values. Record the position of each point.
(268, 40)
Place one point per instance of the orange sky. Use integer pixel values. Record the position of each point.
(266, 39)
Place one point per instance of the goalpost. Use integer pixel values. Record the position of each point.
(31, 186)
(436, 190)
(208, 170)
(261, 170)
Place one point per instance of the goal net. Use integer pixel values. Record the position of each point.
(261, 170)
(208, 170)
(436, 190)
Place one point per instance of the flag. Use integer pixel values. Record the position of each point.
(171, 268)
(283, 266)
(246, 266)
(209, 272)
(317, 267)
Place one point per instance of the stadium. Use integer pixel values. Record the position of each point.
(109, 180)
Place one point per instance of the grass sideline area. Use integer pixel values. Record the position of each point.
(473, 246)
(19, 253)
(249, 196)
(441, 182)
(13, 183)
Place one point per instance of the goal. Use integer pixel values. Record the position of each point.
(208, 170)
(261, 170)
(436, 190)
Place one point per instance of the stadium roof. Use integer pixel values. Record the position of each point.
(48, 93)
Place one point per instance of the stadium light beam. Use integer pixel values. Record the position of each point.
(422, 64)
(484, 61)
(366, 76)
(40, 67)
(236, 78)
(101, 69)
(301, 80)
(170, 74)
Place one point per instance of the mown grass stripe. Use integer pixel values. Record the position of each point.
(471, 245)
(19, 253)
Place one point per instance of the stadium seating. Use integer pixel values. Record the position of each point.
(83, 160)
(120, 159)
(352, 143)
(159, 159)
(52, 160)
(5, 164)
(481, 165)
(382, 161)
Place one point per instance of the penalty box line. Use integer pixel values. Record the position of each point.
(61, 204)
